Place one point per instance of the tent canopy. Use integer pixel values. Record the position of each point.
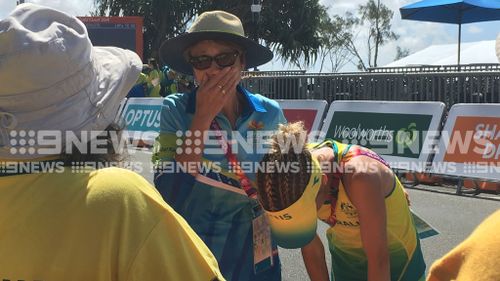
(472, 53)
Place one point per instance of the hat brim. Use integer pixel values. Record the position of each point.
(295, 226)
(117, 72)
(172, 50)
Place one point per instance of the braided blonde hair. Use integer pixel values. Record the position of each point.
(280, 188)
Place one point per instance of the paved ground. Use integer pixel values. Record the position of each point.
(454, 216)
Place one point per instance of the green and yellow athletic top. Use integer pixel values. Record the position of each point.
(349, 262)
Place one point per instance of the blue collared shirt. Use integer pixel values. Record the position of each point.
(222, 218)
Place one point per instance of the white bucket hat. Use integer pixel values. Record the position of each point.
(52, 78)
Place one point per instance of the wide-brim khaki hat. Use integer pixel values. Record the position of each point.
(213, 25)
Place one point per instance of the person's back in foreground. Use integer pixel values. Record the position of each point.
(59, 221)
(476, 258)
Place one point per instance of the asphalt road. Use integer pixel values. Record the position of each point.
(455, 217)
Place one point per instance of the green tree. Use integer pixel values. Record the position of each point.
(340, 35)
(162, 18)
(378, 16)
(337, 39)
(288, 27)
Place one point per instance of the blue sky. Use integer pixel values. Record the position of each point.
(414, 35)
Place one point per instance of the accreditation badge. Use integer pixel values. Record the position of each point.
(262, 246)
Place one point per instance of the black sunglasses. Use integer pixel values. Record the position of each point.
(222, 60)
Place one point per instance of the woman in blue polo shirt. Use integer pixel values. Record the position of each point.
(211, 181)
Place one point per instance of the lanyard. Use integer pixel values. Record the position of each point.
(233, 161)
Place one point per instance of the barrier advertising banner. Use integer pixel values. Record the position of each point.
(470, 142)
(401, 132)
(142, 118)
(308, 111)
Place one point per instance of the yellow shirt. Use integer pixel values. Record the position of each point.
(476, 258)
(154, 81)
(349, 261)
(108, 224)
(143, 78)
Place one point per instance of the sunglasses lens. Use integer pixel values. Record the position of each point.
(226, 59)
(222, 60)
(202, 62)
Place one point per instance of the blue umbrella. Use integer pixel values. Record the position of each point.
(453, 11)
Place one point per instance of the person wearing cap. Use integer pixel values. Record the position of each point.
(61, 218)
(349, 187)
(210, 186)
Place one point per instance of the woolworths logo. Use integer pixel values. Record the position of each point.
(407, 136)
(363, 135)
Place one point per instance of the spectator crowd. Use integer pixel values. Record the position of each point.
(155, 82)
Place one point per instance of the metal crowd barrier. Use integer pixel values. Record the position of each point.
(438, 68)
(273, 73)
(447, 87)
